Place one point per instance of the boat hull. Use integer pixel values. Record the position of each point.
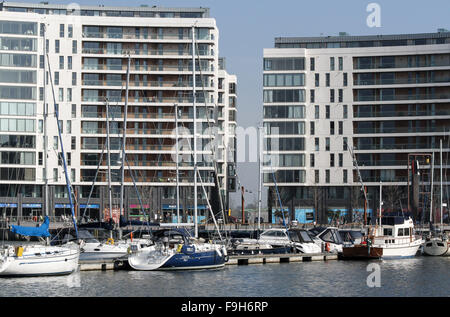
(195, 261)
(362, 252)
(436, 247)
(401, 251)
(103, 253)
(29, 264)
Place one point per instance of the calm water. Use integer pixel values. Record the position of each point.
(420, 276)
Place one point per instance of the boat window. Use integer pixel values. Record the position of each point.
(305, 236)
(406, 231)
(327, 236)
(400, 232)
(387, 231)
(429, 244)
(293, 236)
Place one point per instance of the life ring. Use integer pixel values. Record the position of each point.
(180, 246)
(110, 241)
(327, 247)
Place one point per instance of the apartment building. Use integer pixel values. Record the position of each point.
(93, 54)
(380, 101)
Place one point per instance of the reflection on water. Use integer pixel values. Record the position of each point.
(420, 276)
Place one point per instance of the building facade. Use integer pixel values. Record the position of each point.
(343, 113)
(93, 53)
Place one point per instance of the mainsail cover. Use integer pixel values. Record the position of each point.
(41, 231)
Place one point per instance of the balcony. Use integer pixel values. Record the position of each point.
(401, 81)
(146, 36)
(142, 83)
(148, 52)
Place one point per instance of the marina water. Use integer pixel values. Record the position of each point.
(419, 276)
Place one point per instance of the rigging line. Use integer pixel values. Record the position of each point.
(94, 180)
(68, 184)
(209, 126)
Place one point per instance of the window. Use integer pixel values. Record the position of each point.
(331, 127)
(74, 78)
(69, 94)
(327, 176)
(72, 174)
(341, 159)
(69, 62)
(56, 78)
(316, 176)
(316, 112)
(387, 231)
(331, 160)
(312, 127)
(327, 112)
(317, 144)
(311, 160)
(73, 143)
(61, 62)
(312, 64)
(70, 30)
(55, 174)
(317, 81)
(55, 142)
(61, 125)
(331, 63)
(341, 127)
(69, 126)
(57, 46)
(327, 79)
(41, 93)
(74, 110)
(69, 158)
(40, 158)
(61, 94)
(344, 144)
(341, 63)
(327, 144)
(74, 47)
(331, 95)
(40, 126)
(345, 176)
(345, 111)
(61, 30)
(340, 95)
(312, 95)
(345, 80)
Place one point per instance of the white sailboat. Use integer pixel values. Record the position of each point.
(437, 245)
(38, 259)
(174, 248)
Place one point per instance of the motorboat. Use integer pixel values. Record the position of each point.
(328, 239)
(396, 236)
(351, 236)
(92, 250)
(174, 249)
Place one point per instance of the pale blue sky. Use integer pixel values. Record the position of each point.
(248, 26)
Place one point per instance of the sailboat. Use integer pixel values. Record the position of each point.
(38, 259)
(175, 248)
(435, 244)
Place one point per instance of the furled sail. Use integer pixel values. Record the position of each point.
(41, 231)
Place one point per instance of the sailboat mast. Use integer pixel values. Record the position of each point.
(195, 133)
(176, 153)
(441, 206)
(45, 112)
(109, 162)
(381, 203)
(124, 137)
(259, 175)
(431, 198)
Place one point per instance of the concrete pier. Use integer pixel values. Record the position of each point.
(279, 258)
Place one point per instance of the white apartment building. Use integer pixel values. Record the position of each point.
(88, 50)
(383, 98)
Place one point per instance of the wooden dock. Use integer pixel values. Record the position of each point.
(279, 258)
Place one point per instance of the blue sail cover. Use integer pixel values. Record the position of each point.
(41, 231)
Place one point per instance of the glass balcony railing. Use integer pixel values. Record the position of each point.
(402, 97)
(401, 130)
(399, 146)
(143, 83)
(146, 36)
(401, 114)
(401, 81)
(157, 52)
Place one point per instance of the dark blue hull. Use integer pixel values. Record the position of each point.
(194, 261)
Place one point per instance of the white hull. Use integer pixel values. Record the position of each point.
(94, 252)
(148, 259)
(436, 247)
(401, 250)
(39, 261)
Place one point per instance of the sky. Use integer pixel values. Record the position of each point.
(246, 27)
